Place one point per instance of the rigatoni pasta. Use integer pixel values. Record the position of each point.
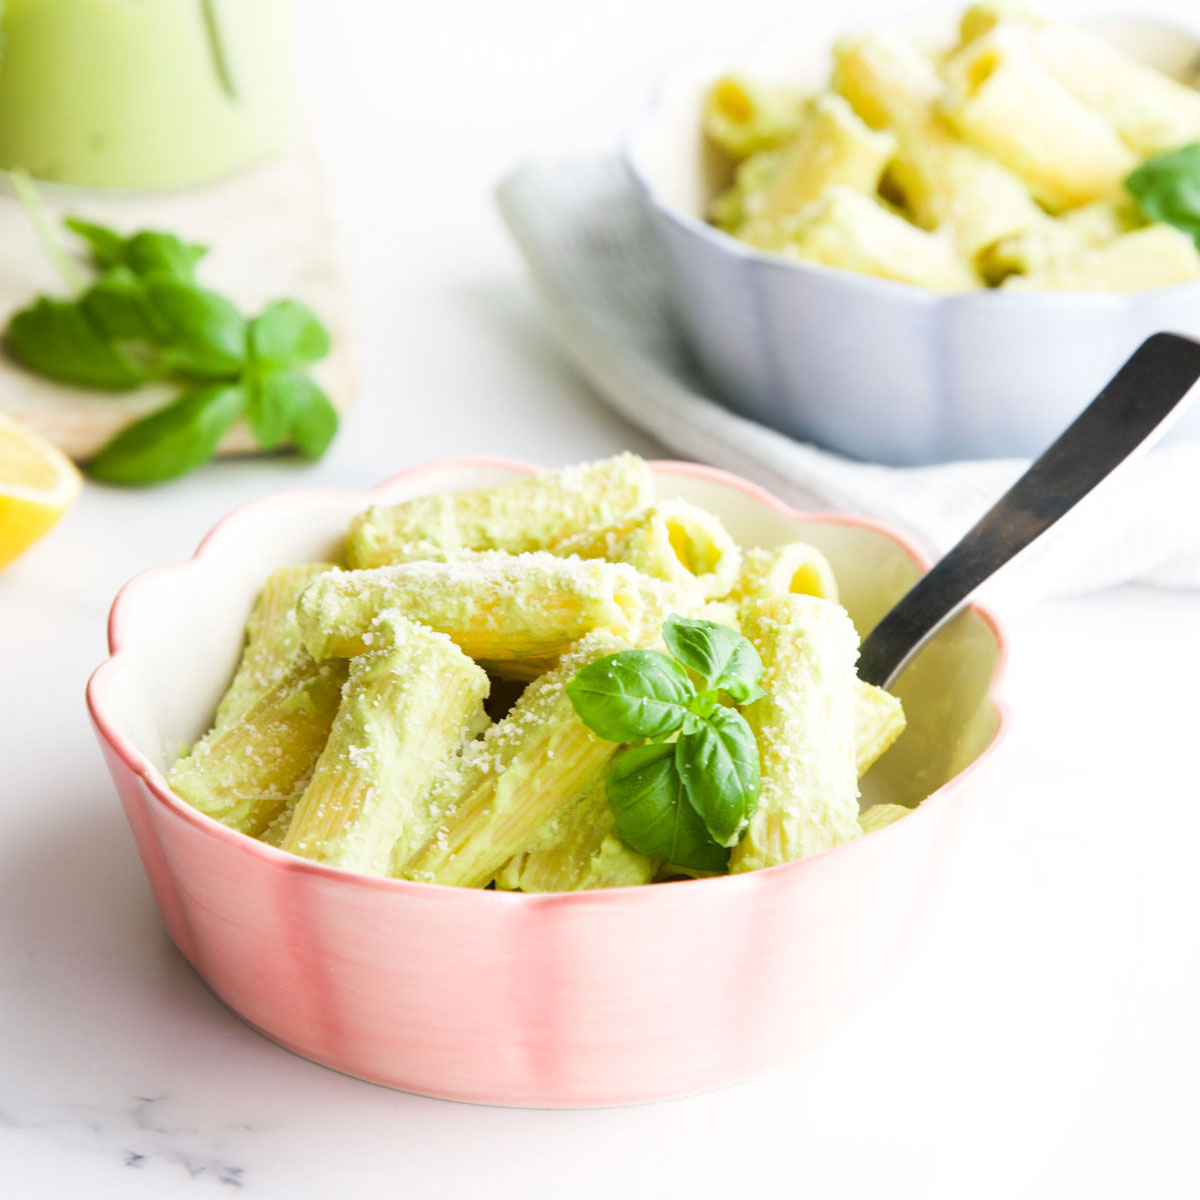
(745, 118)
(246, 771)
(272, 639)
(886, 79)
(943, 183)
(878, 722)
(805, 731)
(675, 541)
(880, 815)
(527, 514)
(496, 607)
(736, 206)
(518, 776)
(1000, 100)
(1149, 110)
(578, 851)
(354, 731)
(832, 145)
(1156, 256)
(1051, 242)
(847, 229)
(403, 712)
(1015, 150)
(952, 188)
(795, 568)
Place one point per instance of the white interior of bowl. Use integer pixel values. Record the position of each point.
(179, 629)
(669, 152)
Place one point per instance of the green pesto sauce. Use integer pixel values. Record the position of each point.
(143, 93)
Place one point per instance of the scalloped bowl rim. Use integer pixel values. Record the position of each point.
(142, 767)
(726, 243)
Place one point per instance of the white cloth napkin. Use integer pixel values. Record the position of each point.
(595, 262)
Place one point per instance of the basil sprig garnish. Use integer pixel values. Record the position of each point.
(1167, 188)
(144, 317)
(687, 793)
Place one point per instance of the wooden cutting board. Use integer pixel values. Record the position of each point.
(271, 235)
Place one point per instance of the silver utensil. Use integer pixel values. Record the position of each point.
(1130, 413)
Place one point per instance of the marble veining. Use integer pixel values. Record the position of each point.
(141, 1133)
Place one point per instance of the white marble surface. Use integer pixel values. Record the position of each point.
(1043, 1042)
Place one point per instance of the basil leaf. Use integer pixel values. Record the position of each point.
(58, 339)
(268, 409)
(151, 253)
(117, 304)
(631, 695)
(107, 246)
(1167, 188)
(719, 767)
(721, 656)
(287, 332)
(314, 419)
(145, 317)
(145, 253)
(203, 333)
(289, 405)
(172, 441)
(646, 796)
(746, 693)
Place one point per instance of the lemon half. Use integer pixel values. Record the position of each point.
(38, 483)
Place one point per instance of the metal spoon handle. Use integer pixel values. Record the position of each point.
(1127, 415)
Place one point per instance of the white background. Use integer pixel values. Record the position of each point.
(1043, 1042)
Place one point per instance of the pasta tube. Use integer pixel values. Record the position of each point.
(950, 186)
(878, 722)
(733, 207)
(722, 612)
(674, 541)
(499, 608)
(519, 775)
(742, 118)
(1149, 110)
(1157, 256)
(945, 183)
(804, 727)
(402, 715)
(245, 772)
(524, 514)
(1000, 99)
(579, 852)
(276, 831)
(886, 79)
(272, 639)
(849, 230)
(796, 568)
(832, 146)
(879, 815)
(981, 19)
(1055, 240)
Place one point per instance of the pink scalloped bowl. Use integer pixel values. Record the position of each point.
(572, 1000)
